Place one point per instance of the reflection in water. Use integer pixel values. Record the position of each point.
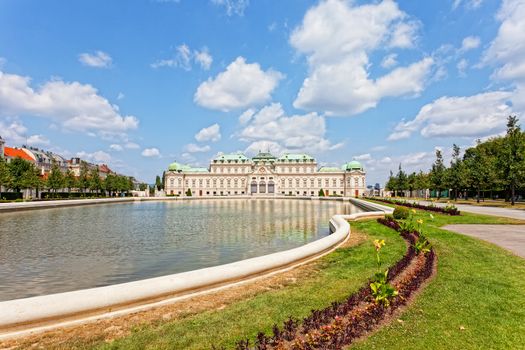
(57, 250)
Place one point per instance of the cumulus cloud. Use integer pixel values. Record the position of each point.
(15, 133)
(363, 157)
(99, 59)
(470, 43)
(211, 133)
(469, 4)
(473, 116)
(185, 57)
(270, 126)
(151, 152)
(193, 148)
(233, 7)
(74, 106)
(241, 85)
(337, 39)
(116, 147)
(389, 61)
(95, 157)
(462, 67)
(507, 50)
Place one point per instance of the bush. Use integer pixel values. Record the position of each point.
(401, 213)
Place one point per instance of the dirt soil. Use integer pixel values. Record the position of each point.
(110, 329)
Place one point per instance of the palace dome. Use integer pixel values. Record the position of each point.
(353, 165)
(175, 166)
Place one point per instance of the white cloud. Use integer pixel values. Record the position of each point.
(462, 67)
(474, 116)
(389, 61)
(294, 133)
(193, 148)
(184, 58)
(363, 157)
(246, 116)
(99, 59)
(116, 147)
(3, 62)
(203, 58)
(131, 145)
(507, 50)
(211, 133)
(337, 39)
(470, 43)
(95, 157)
(240, 85)
(264, 146)
(120, 96)
(14, 132)
(469, 4)
(38, 140)
(74, 106)
(233, 7)
(151, 152)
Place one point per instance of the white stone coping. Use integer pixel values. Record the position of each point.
(28, 311)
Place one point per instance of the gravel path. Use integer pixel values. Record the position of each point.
(510, 237)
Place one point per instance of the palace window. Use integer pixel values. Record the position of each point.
(327, 182)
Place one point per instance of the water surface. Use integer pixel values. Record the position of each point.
(57, 250)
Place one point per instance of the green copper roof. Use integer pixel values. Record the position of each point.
(327, 169)
(175, 166)
(296, 157)
(353, 165)
(234, 157)
(264, 156)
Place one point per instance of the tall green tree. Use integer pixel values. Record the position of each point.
(402, 180)
(4, 175)
(158, 183)
(55, 179)
(17, 168)
(455, 175)
(163, 180)
(422, 181)
(95, 183)
(412, 183)
(512, 157)
(437, 174)
(478, 169)
(391, 184)
(70, 181)
(83, 178)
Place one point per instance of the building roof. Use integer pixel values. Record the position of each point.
(353, 165)
(10, 152)
(104, 169)
(195, 170)
(232, 157)
(327, 169)
(296, 157)
(264, 156)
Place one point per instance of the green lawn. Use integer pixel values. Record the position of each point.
(477, 300)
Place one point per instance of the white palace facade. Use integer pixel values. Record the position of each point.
(264, 176)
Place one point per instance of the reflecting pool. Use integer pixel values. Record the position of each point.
(58, 250)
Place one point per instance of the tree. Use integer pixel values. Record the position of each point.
(163, 180)
(143, 186)
(455, 175)
(437, 174)
(411, 182)
(55, 179)
(422, 181)
(478, 168)
(402, 181)
(188, 192)
(110, 184)
(158, 183)
(83, 179)
(31, 179)
(16, 170)
(70, 181)
(4, 175)
(511, 160)
(321, 193)
(95, 183)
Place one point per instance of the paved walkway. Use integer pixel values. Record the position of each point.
(504, 212)
(510, 237)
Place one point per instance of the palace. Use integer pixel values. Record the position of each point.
(265, 175)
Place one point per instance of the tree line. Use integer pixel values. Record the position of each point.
(495, 165)
(20, 174)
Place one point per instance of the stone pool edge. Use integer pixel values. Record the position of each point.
(22, 317)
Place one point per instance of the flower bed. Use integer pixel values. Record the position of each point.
(449, 209)
(343, 322)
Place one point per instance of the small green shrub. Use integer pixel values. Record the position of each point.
(401, 213)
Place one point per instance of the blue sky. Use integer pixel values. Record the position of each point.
(140, 84)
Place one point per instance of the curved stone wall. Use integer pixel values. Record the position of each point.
(30, 311)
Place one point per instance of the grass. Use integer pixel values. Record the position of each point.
(477, 299)
(500, 203)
